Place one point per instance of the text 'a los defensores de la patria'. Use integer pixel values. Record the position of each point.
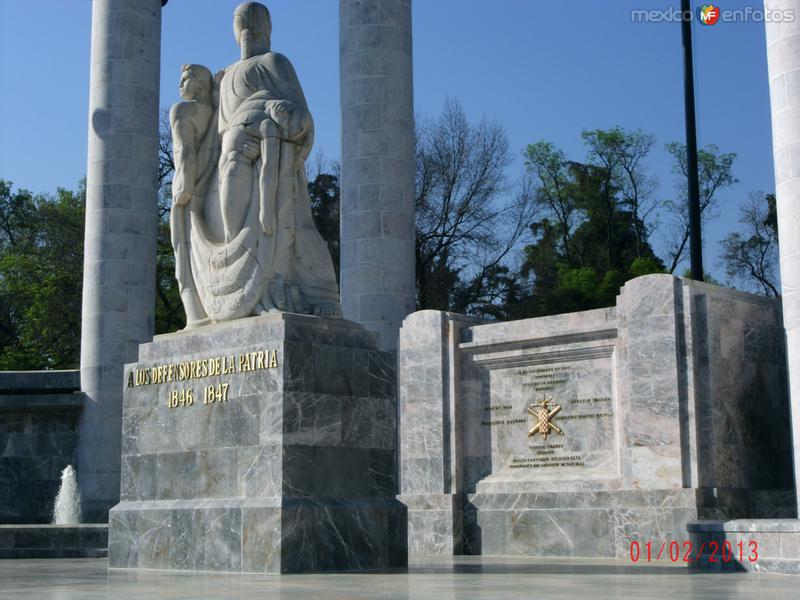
(245, 362)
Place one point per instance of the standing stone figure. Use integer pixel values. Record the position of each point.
(244, 238)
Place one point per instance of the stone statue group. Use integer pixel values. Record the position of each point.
(244, 238)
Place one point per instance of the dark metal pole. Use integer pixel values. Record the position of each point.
(695, 240)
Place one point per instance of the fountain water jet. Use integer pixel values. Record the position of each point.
(67, 510)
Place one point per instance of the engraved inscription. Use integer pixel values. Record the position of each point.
(550, 418)
(545, 378)
(540, 462)
(205, 367)
(181, 397)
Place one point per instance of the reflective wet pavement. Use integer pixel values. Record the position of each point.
(465, 578)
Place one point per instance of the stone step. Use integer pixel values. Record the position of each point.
(759, 545)
(41, 401)
(54, 541)
(31, 382)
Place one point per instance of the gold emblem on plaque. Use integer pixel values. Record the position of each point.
(544, 412)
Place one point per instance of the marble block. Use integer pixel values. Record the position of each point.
(283, 460)
(757, 545)
(576, 434)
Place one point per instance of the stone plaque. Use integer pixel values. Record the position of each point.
(553, 419)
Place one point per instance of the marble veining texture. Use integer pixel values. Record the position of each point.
(671, 403)
(758, 545)
(295, 471)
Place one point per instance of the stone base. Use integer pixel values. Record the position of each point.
(268, 535)
(435, 524)
(599, 524)
(577, 524)
(53, 541)
(295, 470)
(757, 545)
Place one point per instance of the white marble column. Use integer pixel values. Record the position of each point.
(120, 243)
(783, 59)
(377, 227)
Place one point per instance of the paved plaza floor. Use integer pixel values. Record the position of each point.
(470, 578)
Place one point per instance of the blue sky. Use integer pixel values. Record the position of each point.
(542, 69)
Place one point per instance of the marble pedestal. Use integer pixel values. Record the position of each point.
(284, 459)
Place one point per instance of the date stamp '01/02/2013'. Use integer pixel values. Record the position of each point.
(687, 552)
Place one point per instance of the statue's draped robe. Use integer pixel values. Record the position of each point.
(253, 270)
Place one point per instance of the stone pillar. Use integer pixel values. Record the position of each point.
(120, 244)
(377, 227)
(783, 60)
(431, 450)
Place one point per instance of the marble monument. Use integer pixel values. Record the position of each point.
(263, 437)
(579, 434)
(565, 436)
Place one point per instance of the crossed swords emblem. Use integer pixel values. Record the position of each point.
(544, 416)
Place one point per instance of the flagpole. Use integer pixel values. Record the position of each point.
(695, 239)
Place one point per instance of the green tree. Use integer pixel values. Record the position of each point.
(715, 173)
(595, 226)
(554, 194)
(41, 271)
(41, 267)
(620, 156)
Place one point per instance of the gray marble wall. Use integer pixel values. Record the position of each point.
(39, 414)
(668, 406)
(738, 417)
(294, 470)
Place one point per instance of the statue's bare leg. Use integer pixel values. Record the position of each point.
(195, 315)
(236, 181)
